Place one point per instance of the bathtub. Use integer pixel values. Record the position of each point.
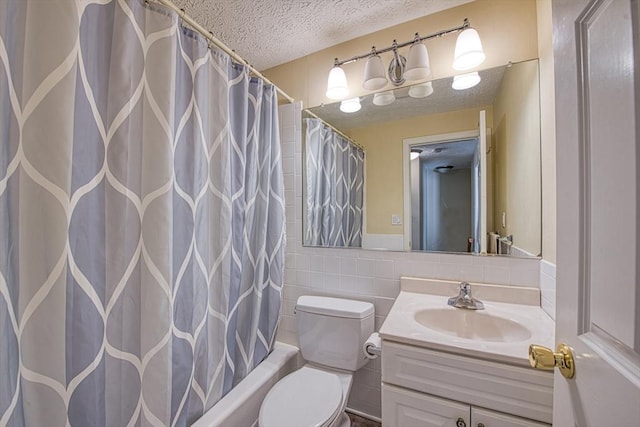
(241, 406)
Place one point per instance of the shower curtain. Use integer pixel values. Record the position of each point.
(335, 185)
(141, 216)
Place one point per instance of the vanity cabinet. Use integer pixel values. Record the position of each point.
(406, 408)
(425, 387)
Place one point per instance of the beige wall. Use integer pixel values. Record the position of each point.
(507, 29)
(383, 145)
(548, 130)
(516, 155)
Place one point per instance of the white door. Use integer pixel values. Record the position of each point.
(596, 54)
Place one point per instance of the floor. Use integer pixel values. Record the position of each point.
(357, 421)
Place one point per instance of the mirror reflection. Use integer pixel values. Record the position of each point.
(501, 212)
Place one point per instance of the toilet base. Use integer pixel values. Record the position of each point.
(345, 421)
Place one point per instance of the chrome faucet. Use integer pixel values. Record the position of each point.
(465, 299)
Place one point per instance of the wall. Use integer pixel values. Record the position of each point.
(372, 276)
(383, 145)
(516, 151)
(507, 29)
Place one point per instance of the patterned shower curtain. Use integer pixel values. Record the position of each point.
(141, 216)
(335, 185)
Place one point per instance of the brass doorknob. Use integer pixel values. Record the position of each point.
(544, 358)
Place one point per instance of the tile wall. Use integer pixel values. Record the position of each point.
(548, 287)
(367, 275)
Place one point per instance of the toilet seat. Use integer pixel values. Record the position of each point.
(308, 396)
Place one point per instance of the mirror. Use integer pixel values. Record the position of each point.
(504, 197)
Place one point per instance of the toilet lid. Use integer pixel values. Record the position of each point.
(306, 397)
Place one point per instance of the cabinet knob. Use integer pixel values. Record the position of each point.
(544, 358)
(461, 423)
(480, 424)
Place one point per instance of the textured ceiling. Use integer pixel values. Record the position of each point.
(267, 33)
(443, 99)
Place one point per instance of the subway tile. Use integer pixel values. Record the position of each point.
(289, 181)
(496, 275)
(332, 264)
(289, 198)
(302, 278)
(316, 263)
(365, 267)
(492, 261)
(549, 306)
(303, 262)
(471, 273)
(290, 211)
(288, 165)
(524, 277)
(548, 268)
(448, 271)
(524, 263)
(384, 269)
(288, 115)
(348, 266)
(387, 288)
(316, 280)
(332, 281)
(289, 276)
(288, 307)
(288, 150)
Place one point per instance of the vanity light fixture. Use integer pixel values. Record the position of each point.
(468, 54)
(417, 61)
(384, 98)
(421, 90)
(465, 81)
(375, 77)
(337, 84)
(350, 105)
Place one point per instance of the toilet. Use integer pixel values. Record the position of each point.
(331, 335)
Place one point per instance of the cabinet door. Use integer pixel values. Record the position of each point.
(405, 408)
(486, 418)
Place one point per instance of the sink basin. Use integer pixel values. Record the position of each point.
(472, 325)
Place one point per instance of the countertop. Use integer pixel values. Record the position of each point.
(519, 305)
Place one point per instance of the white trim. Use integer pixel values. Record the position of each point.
(389, 242)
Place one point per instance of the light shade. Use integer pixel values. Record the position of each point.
(468, 53)
(374, 74)
(414, 154)
(417, 63)
(337, 84)
(384, 98)
(350, 105)
(465, 81)
(421, 90)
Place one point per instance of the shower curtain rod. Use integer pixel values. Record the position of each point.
(348, 138)
(209, 36)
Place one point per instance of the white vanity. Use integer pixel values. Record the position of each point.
(446, 366)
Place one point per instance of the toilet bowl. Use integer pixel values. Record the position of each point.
(331, 334)
(307, 397)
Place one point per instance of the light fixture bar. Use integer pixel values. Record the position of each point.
(395, 45)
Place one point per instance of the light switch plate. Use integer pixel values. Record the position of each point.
(395, 220)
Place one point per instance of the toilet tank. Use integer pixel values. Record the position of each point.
(332, 331)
